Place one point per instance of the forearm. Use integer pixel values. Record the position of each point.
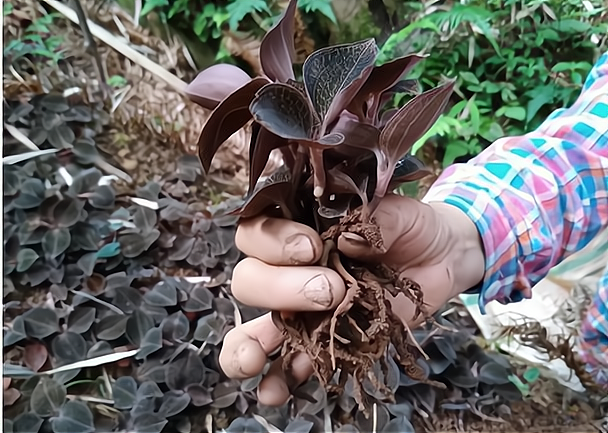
(537, 198)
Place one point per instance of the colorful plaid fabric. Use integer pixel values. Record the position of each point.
(538, 198)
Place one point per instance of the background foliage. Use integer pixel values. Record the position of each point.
(516, 61)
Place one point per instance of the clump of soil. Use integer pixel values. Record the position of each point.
(357, 334)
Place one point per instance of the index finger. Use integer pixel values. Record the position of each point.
(278, 241)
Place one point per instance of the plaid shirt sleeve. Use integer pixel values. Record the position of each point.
(538, 198)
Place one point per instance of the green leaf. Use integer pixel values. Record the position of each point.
(469, 77)
(475, 117)
(517, 113)
(323, 6)
(109, 250)
(238, 10)
(7, 8)
(544, 95)
(523, 387)
(25, 259)
(571, 26)
(493, 133)
(455, 149)
(150, 5)
(531, 375)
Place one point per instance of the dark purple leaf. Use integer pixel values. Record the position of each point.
(137, 327)
(406, 127)
(151, 342)
(410, 87)
(186, 369)
(199, 395)
(277, 50)
(214, 84)
(248, 425)
(285, 111)
(334, 75)
(275, 191)
(174, 402)
(69, 347)
(461, 377)
(225, 394)
(124, 390)
(493, 374)
(399, 425)
(356, 134)
(264, 144)
(367, 100)
(408, 169)
(228, 117)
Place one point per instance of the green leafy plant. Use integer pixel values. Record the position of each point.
(209, 20)
(511, 73)
(37, 43)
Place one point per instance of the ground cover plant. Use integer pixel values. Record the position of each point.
(102, 333)
(98, 336)
(343, 152)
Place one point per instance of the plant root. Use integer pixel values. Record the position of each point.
(360, 330)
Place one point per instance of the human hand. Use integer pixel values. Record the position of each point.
(436, 245)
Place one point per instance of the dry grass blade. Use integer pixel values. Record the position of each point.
(108, 38)
(99, 301)
(14, 159)
(18, 135)
(94, 362)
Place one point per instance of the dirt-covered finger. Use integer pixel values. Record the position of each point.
(274, 389)
(246, 347)
(286, 288)
(279, 241)
(394, 217)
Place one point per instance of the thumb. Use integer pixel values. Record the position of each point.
(394, 217)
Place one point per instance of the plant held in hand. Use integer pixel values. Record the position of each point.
(343, 149)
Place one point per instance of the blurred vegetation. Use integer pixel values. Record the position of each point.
(516, 61)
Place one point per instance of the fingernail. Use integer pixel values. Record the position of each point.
(318, 291)
(355, 239)
(299, 249)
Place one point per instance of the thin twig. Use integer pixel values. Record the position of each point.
(19, 136)
(91, 47)
(111, 40)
